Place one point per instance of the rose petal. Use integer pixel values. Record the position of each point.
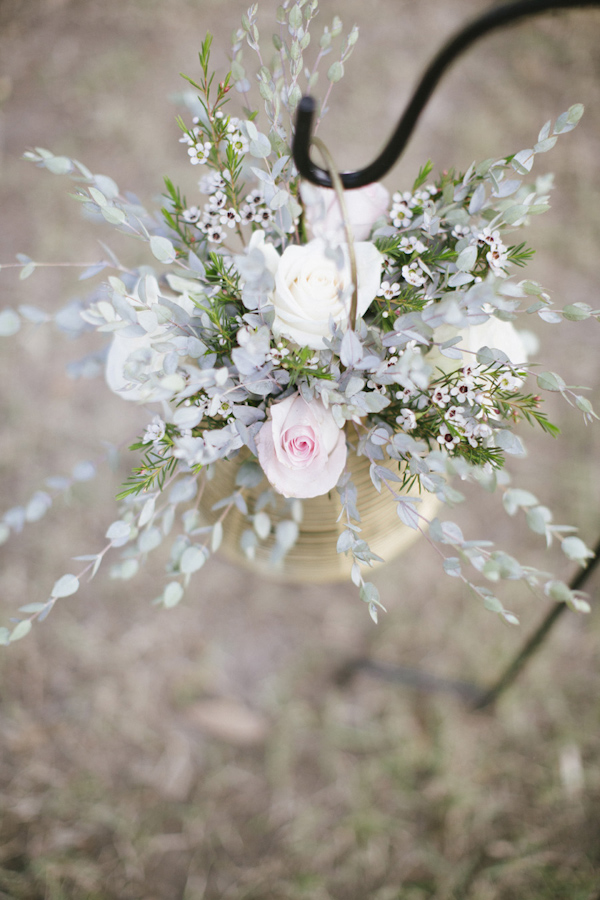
(310, 290)
(323, 215)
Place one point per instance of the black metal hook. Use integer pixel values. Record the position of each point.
(508, 14)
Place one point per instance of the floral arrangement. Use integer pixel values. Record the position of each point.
(280, 334)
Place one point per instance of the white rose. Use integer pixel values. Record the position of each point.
(323, 215)
(124, 350)
(310, 289)
(495, 334)
(498, 335)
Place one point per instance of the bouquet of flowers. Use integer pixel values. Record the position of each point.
(284, 334)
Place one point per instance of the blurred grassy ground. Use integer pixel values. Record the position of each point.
(206, 752)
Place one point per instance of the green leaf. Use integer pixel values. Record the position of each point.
(261, 146)
(491, 570)
(98, 197)
(510, 443)
(295, 17)
(577, 312)
(369, 593)
(266, 92)
(575, 113)
(424, 173)
(558, 590)
(192, 559)
(545, 145)
(515, 213)
(452, 566)
(249, 474)
(452, 533)
(10, 322)
(20, 630)
(585, 406)
(108, 187)
(550, 381)
(32, 608)
(279, 199)
(568, 120)
(113, 215)
(335, 72)
(252, 131)
(538, 518)
(467, 259)
(522, 162)
(515, 499)
(27, 270)
(147, 512)
(58, 165)
(216, 537)
(162, 249)
(435, 530)
(65, 586)
(492, 603)
(118, 530)
(125, 570)
(286, 534)
(262, 525)
(575, 549)
(545, 131)
(172, 594)
(149, 540)
(550, 316)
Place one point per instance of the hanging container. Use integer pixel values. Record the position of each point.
(314, 558)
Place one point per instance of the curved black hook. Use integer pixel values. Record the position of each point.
(495, 18)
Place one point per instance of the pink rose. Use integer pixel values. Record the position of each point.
(300, 448)
(324, 218)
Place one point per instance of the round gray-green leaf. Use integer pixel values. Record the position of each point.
(20, 630)
(162, 249)
(10, 322)
(192, 559)
(65, 586)
(173, 594)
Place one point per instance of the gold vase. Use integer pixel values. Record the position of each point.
(314, 558)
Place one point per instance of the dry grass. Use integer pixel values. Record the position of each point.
(207, 752)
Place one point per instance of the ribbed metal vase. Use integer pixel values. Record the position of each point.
(314, 559)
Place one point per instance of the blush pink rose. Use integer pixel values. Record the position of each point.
(301, 449)
(324, 218)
